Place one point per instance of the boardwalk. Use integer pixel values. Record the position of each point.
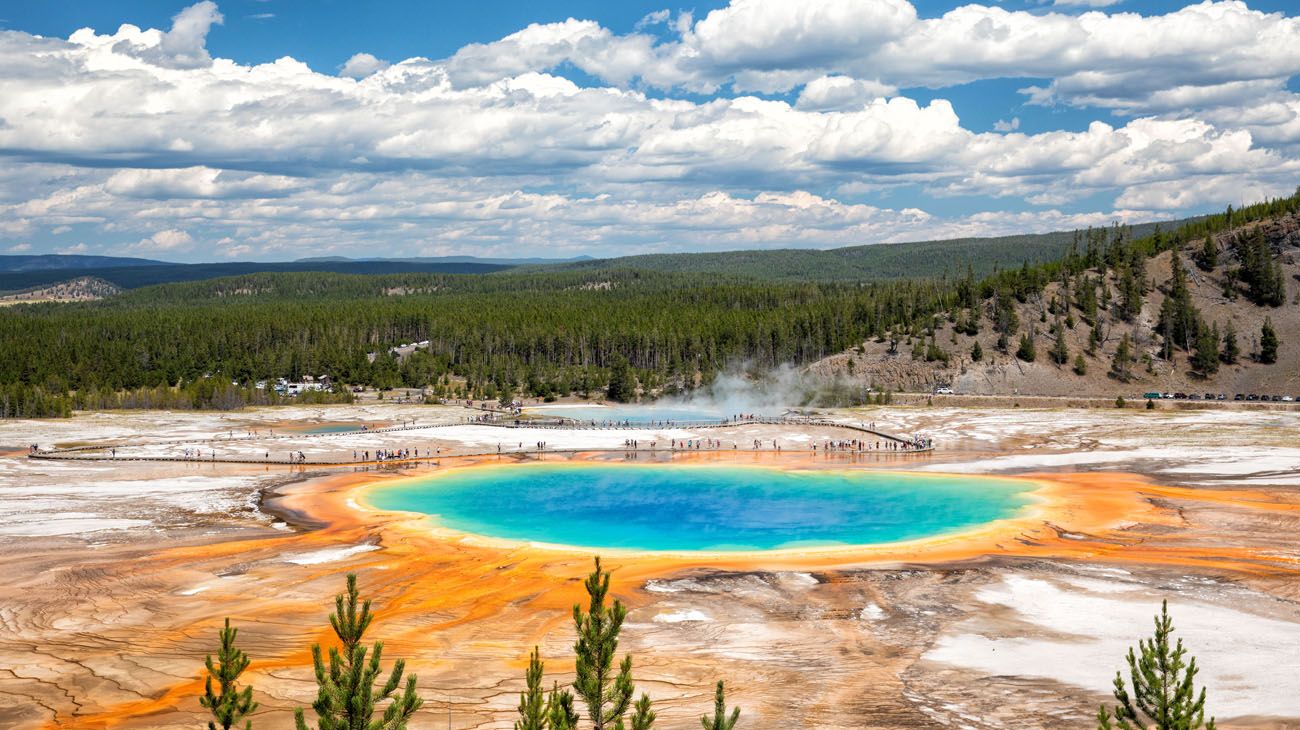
(107, 452)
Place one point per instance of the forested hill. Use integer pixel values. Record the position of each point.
(554, 332)
(318, 286)
(877, 262)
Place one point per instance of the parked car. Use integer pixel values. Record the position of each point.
(943, 390)
(1239, 396)
(1154, 395)
(1223, 396)
(1287, 399)
(1169, 396)
(1252, 396)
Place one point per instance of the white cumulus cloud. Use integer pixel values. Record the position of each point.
(184, 46)
(361, 65)
(142, 139)
(167, 240)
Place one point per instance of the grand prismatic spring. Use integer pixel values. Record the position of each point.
(711, 508)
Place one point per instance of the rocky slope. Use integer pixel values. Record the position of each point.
(84, 288)
(893, 366)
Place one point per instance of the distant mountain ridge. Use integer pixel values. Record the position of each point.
(864, 263)
(134, 277)
(537, 260)
(871, 262)
(51, 261)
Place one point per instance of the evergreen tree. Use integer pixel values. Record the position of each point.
(348, 695)
(1164, 694)
(532, 703)
(643, 717)
(1060, 350)
(1122, 363)
(935, 353)
(1080, 365)
(1231, 350)
(1005, 321)
(1259, 271)
(1230, 285)
(622, 382)
(607, 696)
(1205, 358)
(1086, 299)
(720, 720)
(976, 352)
(1268, 342)
(1027, 351)
(560, 714)
(1094, 339)
(1179, 320)
(1132, 289)
(1208, 257)
(230, 704)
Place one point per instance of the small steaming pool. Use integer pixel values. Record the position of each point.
(686, 507)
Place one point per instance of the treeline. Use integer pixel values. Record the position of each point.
(19, 400)
(1160, 693)
(506, 335)
(552, 333)
(203, 394)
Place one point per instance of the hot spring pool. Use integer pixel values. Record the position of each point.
(685, 507)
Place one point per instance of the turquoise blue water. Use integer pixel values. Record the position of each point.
(682, 507)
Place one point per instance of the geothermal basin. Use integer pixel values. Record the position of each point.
(1002, 588)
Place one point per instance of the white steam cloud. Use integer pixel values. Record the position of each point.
(765, 392)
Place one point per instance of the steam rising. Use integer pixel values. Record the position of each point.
(765, 392)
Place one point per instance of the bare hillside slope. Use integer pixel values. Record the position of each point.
(916, 362)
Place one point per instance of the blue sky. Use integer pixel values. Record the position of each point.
(276, 129)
